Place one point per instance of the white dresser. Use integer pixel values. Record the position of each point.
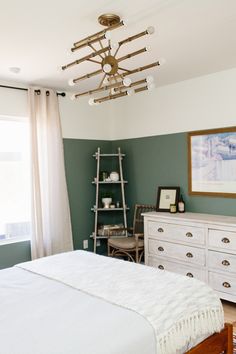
(197, 245)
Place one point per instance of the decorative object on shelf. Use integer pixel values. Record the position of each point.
(181, 205)
(103, 175)
(115, 78)
(167, 196)
(106, 202)
(114, 176)
(173, 208)
(212, 162)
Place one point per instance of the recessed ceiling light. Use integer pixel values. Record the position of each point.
(15, 69)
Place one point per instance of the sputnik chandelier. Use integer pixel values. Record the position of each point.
(115, 78)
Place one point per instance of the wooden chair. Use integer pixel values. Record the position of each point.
(131, 246)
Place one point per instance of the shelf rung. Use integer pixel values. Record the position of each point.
(109, 209)
(109, 182)
(108, 155)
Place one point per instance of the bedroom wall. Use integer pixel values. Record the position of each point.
(162, 161)
(200, 103)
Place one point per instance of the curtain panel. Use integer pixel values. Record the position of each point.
(51, 224)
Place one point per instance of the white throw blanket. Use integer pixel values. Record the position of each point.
(178, 308)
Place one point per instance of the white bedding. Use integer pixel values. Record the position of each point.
(56, 305)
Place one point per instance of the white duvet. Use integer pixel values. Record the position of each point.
(82, 303)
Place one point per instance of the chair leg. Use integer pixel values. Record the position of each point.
(136, 255)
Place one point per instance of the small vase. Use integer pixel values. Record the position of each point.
(106, 202)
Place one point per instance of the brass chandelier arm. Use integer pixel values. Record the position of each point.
(88, 42)
(132, 38)
(136, 83)
(98, 34)
(123, 69)
(92, 55)
(99, 89)
(142, 68)
(130, 55)
(87, 76)
(95, 50)
(118, 95)
(101, 82)
(110, 97)
(94, 61)
(140, 89)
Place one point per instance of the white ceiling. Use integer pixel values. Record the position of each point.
(196, 37)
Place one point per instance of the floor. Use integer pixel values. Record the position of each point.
(230, 312)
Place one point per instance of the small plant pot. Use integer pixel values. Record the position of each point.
(106, 202)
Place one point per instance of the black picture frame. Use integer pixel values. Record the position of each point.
(167, 196)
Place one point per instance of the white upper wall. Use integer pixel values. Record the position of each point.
(200, 103)
(81, 121)
(78, 119)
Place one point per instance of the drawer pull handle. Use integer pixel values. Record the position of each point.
(161, 267)
(189, 275)
(161, 249)
(160, 229)
(189, 255)
(226, 284)
(225, 240)
(225, 262)
(189, 234)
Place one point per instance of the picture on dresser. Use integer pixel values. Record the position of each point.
(167, 196)
(212, 162)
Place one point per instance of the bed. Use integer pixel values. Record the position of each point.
(82, 303)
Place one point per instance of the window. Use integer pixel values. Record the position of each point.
(14, 180)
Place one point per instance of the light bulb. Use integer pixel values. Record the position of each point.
(108, 35)
(125, 21)
(162, 61)
(127, 81)
(148, 48)
(71, 82)
(91, 101)
(73, 97)
(106, 68)
(149, 79)
(130, 92)
(150, 30)
(114, 45)
(151, 86)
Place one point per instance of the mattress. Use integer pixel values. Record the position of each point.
(42, 313)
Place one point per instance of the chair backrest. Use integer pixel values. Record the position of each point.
(138, 218)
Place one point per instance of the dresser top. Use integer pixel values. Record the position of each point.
(196, 217)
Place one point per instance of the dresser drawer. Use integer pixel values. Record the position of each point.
(178, 233)
(222, 261)
(183, 253)
(224, 283)
(226, 240)
(177, 268)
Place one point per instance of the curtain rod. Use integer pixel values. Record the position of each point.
(63, 94)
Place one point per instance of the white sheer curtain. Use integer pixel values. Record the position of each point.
(51, 226)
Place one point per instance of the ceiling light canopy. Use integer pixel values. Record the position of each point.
(115, 78)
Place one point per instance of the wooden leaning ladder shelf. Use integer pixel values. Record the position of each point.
(98, 155)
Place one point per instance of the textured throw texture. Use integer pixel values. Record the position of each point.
(178, 308)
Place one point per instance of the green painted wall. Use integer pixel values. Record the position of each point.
(162, 161)
(80, 170)
(14, 253)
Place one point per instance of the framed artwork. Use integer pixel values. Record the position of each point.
(212, 162)
(167, 196)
